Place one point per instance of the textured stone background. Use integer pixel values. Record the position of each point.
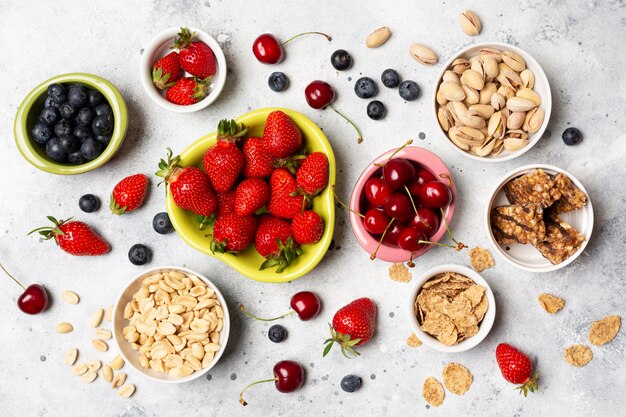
(580, 45)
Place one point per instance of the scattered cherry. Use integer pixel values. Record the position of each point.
(268, 50)
(33, 300)
(288, 377)
(422, 176)
(377, 191)
(435, 194)
(305, 304)
(398, 206)
(375, 221)
(397, 172)
(425, 220)
(411, 239)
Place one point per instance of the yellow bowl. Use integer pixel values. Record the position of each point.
(247, 263)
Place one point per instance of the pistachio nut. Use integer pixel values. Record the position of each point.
(446, 121)
(498, 101)
(514, 144)
(507, 92)
(515, 120)
(469, 136)
(487, 92)
(477, 65)
(378, 37)
(452, 135)
(441, 100)
(450, 107)
(528, 78)
(471, 95)
(516, 134)
(509, 78)
(534, 120)
(485, 53)
(472, 79)
(520, 104)
(506, 112)
(460, 65)
(470, 23)
(485, 110)
(514, 61)
(486, 148)
(423, 54)
(529, 94)
(473, 119)
(491, 69)
(497, 125)
(497, 147)
(451, 91)
(451, 77)
(458, 108)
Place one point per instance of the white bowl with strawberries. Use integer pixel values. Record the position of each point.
(183, 69)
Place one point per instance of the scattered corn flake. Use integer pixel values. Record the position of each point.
(603, 331)
(578, 355)
(413, 341)
(481, 259)
(399, 272)
(551, 303)
(433, 392)
(457, 378)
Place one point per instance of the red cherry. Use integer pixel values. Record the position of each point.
(393, 234)
(319, 94)
(397, 172)
(425, 220)
(33, 300)
(435, 194)
(267, 49)
(375, 221)
(398, 206)
(377, 191)
(422, 176)
(409, 239)
(288, 377)
(306, 304)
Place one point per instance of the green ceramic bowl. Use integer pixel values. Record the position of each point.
(248, 262)
(28, 112)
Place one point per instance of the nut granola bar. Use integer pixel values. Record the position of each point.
(533, 187)
(572, 198)
(518, 224)
(561, 241)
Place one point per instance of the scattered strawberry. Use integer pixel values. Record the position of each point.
(195, 56)
(166, 71)
(353, 325)
(281, 135)
(516, 368)
(224, 162)
(258, 160)
(250, 195)
(284, 200)
(74, 237)
(187, 91)
(233, 233)
(226, 203)
(274, 241)
(312, 177)
(307, 227)
(190, 186)
(128, 194)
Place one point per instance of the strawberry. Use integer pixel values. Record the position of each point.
(258, 160)
(195, 56)
(190, 186)
(166, 71)
(281, 135)
(128, 194)
(353, 325)
(516, 368)
(250, 195)
(75, 238)
(187, 91)
(307, 227)
(312, 177)
(274, 241)
(233, 233)
(226, 203)
(224, 162)
(284, 200)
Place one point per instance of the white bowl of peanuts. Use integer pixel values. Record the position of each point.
(171, 324)
(492, 101)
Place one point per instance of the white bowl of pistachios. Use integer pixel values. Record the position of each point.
(492, 101)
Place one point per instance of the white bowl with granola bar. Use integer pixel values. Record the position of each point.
(492, 102)
(171, 324)
(451, 308)
(539, 218)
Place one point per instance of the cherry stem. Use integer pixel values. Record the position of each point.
(328, 37)
(407, 143)
(241, 400)
(242, 308)
(12, 277)
(411, 198)
(428, 242)
(344, 205)
(373, 255)
(359, 138)
(459, 245)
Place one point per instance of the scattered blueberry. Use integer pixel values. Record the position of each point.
(77, 96)
(82, 132)
(41, 133)
(365, 87)
(76, 158)
(104, 109)
(376, 110)
(57, 90)
(63, 128)
(55, 151)
(89, 203)
(86, 115)
(278, 81)
(390, 78)
(162, 224)
(52, 102)
(409, 90)
(49, 115)
(277, 333)
(103, 124)
(67, 111)
(341, 60)
(104, 140)
(572, 136)
(95, 98)
(139, 254)
(351, 383)
(90, 148)
(69, 143)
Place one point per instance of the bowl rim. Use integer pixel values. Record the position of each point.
(224, 333)
(546, 102)
(26, 146)
(496, 189)
(416, 154)
(485, 325)
(148, 57)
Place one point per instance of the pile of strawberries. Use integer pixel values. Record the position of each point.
(257, 191)
(194, 57)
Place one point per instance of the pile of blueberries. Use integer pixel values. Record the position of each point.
(75, 125)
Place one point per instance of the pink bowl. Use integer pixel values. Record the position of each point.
(391, 253)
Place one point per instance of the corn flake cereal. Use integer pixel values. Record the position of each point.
(578, 355)
(399, 272)
(457, 378)
(433, 392)
(413, 341)
(481, 259)
(603, 331)
(551, 303)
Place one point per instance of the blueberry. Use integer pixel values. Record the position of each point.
(103, 109)
(69, 143)
(104, 140)
(55, 151)
(390, 78)
(77, 96)
(67, 111)
(89, 203)
(341, 60)
(102, 125)
(95, 98)
(376, 110)
(52, 102)
(76, 158)
(278, 81)
(63, 128)
(82, 132)
(277, 333)
(409, 90)
(139, 254)
(41, 133)
(572, 136)
(91, 148)
(85, 116)
(57, 90)
(162, 224)
(351, 383)
(49, 115)
(365, 87)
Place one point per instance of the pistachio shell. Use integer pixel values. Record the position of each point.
(423, 54)
(520, 104)
(441, 100)
(452, 135)
(472, 79)
(516, 134)
(451, 91)
(506, 112)
(487, 92)
(497, 125)
(477, 65)
(474, 119)
(451, 77)
(471, 95)
(469, 136)
(534, 120)
(514, 60)
(378, 37)
(507, 92)
(458, 108)
(498, 101)
(528, 78)
(460, 65)
(509, 78)
(515, 120)
(486, 148)
(470, 23)
(491, 69)
(485, 53)
(446, 121)
(514, 144)
(485, 110)
(529, 94)
(497, 147)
